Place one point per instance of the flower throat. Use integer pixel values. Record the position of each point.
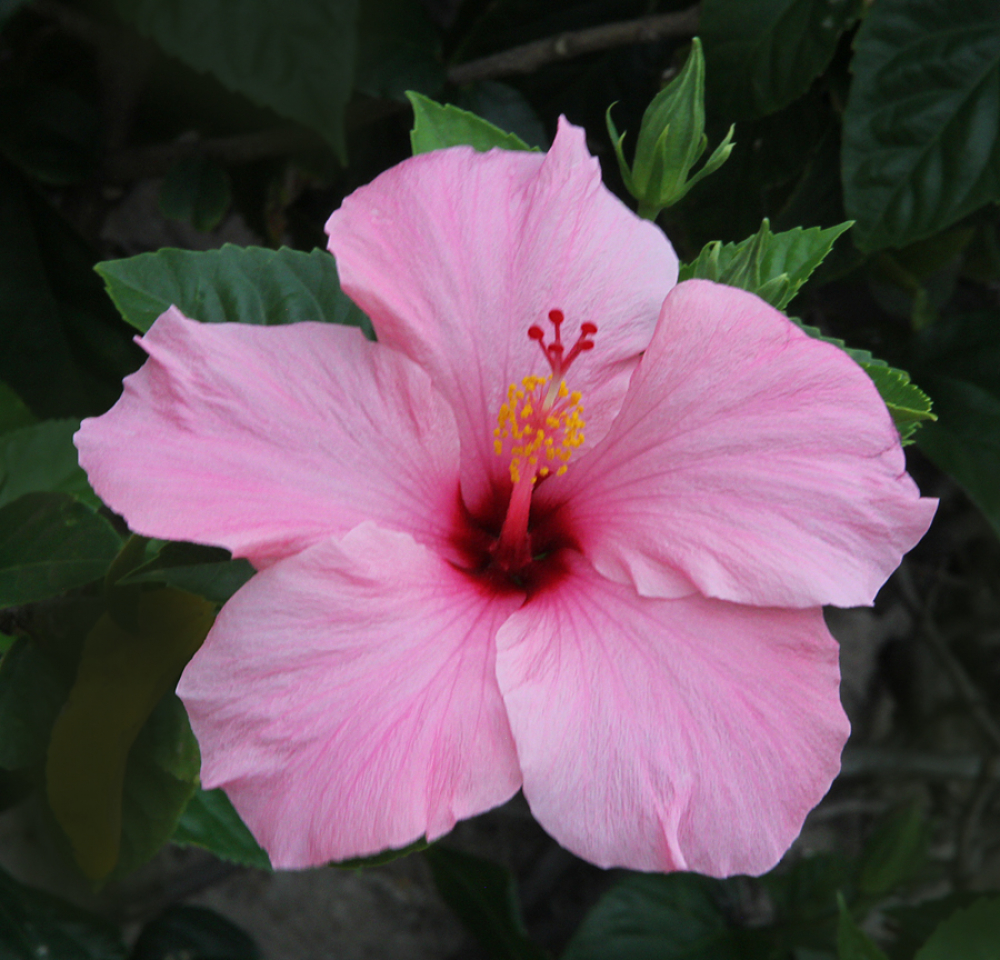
(539, 427)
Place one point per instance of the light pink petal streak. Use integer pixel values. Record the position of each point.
(455, 254)
(685, 734)
(267, 439)
(346, 700)
(749, 458)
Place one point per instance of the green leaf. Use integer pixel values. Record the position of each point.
(909, 405)
(195, 933)
(647, 917)
(385, 856)
(921, 140)
(776, 264)
(122, 677)
(913, 924)
(42, 458)
(959, 362)
(969, 934)
(161, 776)
(13, 411)
(895, 853)
(763, 54)
(36, 925)
(210, 572)
(64, 349)
(234, 284)
(484, 895)
(294, 56)
(852, 942)
(398, 50)
(436, 126)
(210, 822)
(32, 692)
(197, 190)
(506, 108)
(50, 543)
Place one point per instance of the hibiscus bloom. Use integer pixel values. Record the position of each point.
(567, 528)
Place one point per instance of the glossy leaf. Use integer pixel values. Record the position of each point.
(197, 190)
(14, 413)
(398, 50)
(161, 776)
(763, 54)
(484, 895)
(772, 265)
(972, 933)
(921, 137)
(436, 126)
(959, 362)
(50, 543)
(36, 925)
(210, 572)
(234, 284)
(852, 942)
(42, 457)
(63, 349)
(32, 692)
(295, 56)
(193, 933)
(647, 917)
(123, 675)
(209, 821)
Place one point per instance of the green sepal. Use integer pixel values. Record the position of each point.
(671, 140)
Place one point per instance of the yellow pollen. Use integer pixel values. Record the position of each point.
(539, 424)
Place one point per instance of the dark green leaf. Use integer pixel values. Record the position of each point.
(436, 126)
(193, 933)
(197, 190)
(913, 925)
(64, 349)
(42, 458)
(969, 934)
(234, 284)
(386, 856)
(294, 56)
(484, 895)
(32, 692)
(921, 142)
(895, 852)
(763, 54)
(122, 762)
(209, 821)
(852, 942)
(51, 132)
(398, 50)
(161, 776)
(50, 543)
(506, 108)
(13, 412)
(209, 572)
(35, 925)
(646, 917)
(959, 361)
(772, 265)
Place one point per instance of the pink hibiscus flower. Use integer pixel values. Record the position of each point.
(565, 528)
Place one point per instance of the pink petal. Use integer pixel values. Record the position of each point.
(684, 734)
(455, 254)
(268, 439)
(749, 459)
(347, 702)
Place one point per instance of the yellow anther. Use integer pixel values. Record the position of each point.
(535, 419)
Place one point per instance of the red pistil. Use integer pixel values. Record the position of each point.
(555, 350)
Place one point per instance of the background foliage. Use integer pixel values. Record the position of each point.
(139, 136)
